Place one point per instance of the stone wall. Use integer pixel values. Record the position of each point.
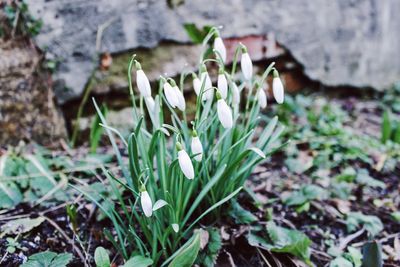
(339, 42)
(27, 109)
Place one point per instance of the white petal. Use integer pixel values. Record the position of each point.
(197, 85)
(175, 226)
(220, 48)
(150, 104)
(147, 206)
(235, 94)
(170, 95)
(223, 85)
(143, 83)
(224, 114)
(159, 204)
(277, 88)
(258, 152)
(262, 98)
(197, 148)
(181, 104)
(186, 164)
(247, 66)
(208, 92)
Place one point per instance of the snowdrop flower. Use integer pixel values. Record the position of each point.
(262, 98)
(196, 146)
(277, 88)
(205, 79)
(170, 95)
(149, 104)
(196, 84)
(222, 83)
(220, 47)
(142, 81)
(145, 201)
(235, 94)
(184, 162)
(180, 103)
(224, 112)
(246, 64)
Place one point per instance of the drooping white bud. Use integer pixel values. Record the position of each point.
(235, 94)
(170, 95)
(147, 205)
(206, 80)
(246, 65)
(277, 88)
(224, 112)
(262, 98)
(184, 162)
(150, 104)
(181, 104)
(196, 84)
(220, 48)
(196, 147)
(142, 81)
(222, 84)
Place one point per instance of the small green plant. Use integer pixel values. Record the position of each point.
(19, 20)
(390, 128)
(12, 244)
(183, 166)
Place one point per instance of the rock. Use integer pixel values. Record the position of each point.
(27, 110)
(340, 42)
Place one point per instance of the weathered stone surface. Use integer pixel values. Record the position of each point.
(27, 110)
(339, 42)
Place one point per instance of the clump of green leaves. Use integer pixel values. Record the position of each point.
(19, 21)
(390, 128)
(176, 186)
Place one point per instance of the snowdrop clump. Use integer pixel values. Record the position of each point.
(189, 161)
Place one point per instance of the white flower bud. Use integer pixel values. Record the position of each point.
(147, 205)
(170, 95)
(143, 83)
(196, 85)
(205, 79)
(262, 98)
(224, 113)
(197, 148)
(220, 48)
(181, 104)
(184, 162)
(246, 65)
(149, 104)
(277, 88)
(235, 94)
(222, 85)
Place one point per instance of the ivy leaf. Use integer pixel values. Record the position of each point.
(283, 240)
(340, 262)
(138, 261)
(364, 178)
(371, 223)
(241, 215)
(48, 259)
(101, 257)
(20, 226)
